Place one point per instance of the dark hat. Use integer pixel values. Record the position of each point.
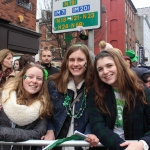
(126, 58)
(83, 36)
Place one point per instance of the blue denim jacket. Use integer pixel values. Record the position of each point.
(56, 122)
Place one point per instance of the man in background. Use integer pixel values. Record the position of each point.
(46, 58)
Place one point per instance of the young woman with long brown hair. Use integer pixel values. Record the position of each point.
(119, 104)
(68, 92)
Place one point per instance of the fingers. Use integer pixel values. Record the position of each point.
(92, 136)
(124, 144)
(43, 137)
(93, 140)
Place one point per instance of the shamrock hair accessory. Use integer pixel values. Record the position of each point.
(25, 76)
(45, 74)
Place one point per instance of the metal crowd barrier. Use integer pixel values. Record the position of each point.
(72, 143)
(47, 142)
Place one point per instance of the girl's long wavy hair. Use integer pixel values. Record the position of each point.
(61, 80)
(16, 84)
(129, 85)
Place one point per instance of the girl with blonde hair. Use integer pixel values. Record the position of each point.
(25, 104)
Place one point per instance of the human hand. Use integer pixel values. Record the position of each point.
(133, 145)
(49, 135)
(92, 139)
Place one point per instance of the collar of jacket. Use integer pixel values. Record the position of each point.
(46, 65)
(71, 86)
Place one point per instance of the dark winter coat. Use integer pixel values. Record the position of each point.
(20, 122)
(136, 122)
(59, 112)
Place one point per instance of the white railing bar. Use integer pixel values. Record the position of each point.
(47, 142)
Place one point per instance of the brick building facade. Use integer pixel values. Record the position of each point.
(18, 26)
(56, 43)
(118, 25)
(15, 10)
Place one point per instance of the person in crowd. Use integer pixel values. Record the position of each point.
(16, 65)
(139, 71)
(119, 104)
(68, 91)
(25, 106)
(131, 54)
(37, 61)
(128, 60)
(6, 71)
(103, 45)
(146, 78)
(46, 58)
(6, 59)
(25, 59)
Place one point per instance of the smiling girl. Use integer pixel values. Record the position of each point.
(68, 92)
(25, 104)
(119, 104)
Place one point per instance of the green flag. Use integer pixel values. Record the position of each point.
(59, 141)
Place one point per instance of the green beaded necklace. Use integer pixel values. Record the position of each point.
(67, 101)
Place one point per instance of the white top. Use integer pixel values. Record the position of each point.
(71, 86)
(120, 102)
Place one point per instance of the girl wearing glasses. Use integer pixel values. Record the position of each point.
(68, 91)
(25, 104)
(119, 104)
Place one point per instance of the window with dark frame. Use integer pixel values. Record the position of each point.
(25, 4)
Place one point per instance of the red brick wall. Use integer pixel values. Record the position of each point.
(10, 10)
(43, 41)
(115, 23)
(116, 18)
(130, 37)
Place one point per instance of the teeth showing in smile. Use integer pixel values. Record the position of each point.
(32, 86)
(107, 77)
(76, 69)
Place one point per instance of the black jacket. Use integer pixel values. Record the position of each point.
(51, 70)
(35, 130)
(136, 123)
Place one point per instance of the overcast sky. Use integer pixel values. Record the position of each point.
(141, 3)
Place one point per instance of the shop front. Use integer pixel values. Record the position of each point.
(18, 39)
